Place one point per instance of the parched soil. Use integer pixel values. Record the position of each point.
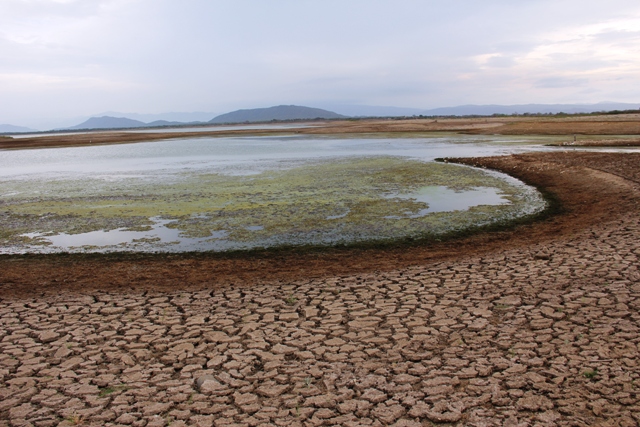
(564, 127)
(537, 325)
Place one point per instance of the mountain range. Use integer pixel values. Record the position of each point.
(280, 112)
(108, 122)
(293, 112)
(15, 129)
(487, 110)
(190, 117)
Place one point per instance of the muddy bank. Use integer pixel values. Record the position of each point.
(590, 188)
(621, 142)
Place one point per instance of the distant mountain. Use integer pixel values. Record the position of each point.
(108, 122)
(372, 111)
(480, 110)
(487, 110)
(170, 117)
(159, 123)
(15, 129)
(293, 112)
(281, 112)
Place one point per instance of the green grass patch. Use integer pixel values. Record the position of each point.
(106, 391)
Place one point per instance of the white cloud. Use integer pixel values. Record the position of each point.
(36, 83)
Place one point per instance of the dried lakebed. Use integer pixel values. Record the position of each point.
(246, 193)
(539, 328)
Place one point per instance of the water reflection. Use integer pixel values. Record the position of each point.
(157, 236)
(247, 155)
(445, 199)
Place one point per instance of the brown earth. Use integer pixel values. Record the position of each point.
(604, 126)
(623, 124)
(618, 142)
(538, 325)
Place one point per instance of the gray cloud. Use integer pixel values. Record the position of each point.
(81, 57)
(619, 38)
(560, 82)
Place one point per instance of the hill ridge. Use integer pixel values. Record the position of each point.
(279, 112)
(7, 128)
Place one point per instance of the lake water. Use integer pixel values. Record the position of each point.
(244, 155)
(74, 185)
(200, 128)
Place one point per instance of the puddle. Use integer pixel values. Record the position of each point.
(445, 199)
(158, 235)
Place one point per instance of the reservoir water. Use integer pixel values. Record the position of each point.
(246, 192)
(244, 155)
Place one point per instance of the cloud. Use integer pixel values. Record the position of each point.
(500, 61)
(36, 83)
(494, 60)
(163, 55)
(560, 82)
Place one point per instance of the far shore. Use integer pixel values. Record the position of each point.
(604, 130)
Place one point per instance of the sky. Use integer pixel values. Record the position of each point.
(65, 59)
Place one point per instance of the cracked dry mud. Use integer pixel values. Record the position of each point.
(544, 333)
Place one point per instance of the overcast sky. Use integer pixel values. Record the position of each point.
(72, 58)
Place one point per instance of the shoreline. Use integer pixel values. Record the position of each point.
(602, 127)
(545, 171)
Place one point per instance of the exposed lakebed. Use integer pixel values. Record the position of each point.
(241, 193)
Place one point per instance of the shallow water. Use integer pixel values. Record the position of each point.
(237, 193)
(220, 128)
(445, 199)
(204, 128)
(157, 235)
(245, 155)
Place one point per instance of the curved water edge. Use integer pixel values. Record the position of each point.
(330, 202)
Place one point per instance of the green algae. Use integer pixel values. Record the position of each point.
(326, 202)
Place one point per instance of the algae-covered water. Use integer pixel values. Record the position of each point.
(242, 193)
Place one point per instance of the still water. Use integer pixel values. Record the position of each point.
(245, 155)
(48, 192)
(199, 128)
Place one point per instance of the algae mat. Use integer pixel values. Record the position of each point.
(347, 201)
